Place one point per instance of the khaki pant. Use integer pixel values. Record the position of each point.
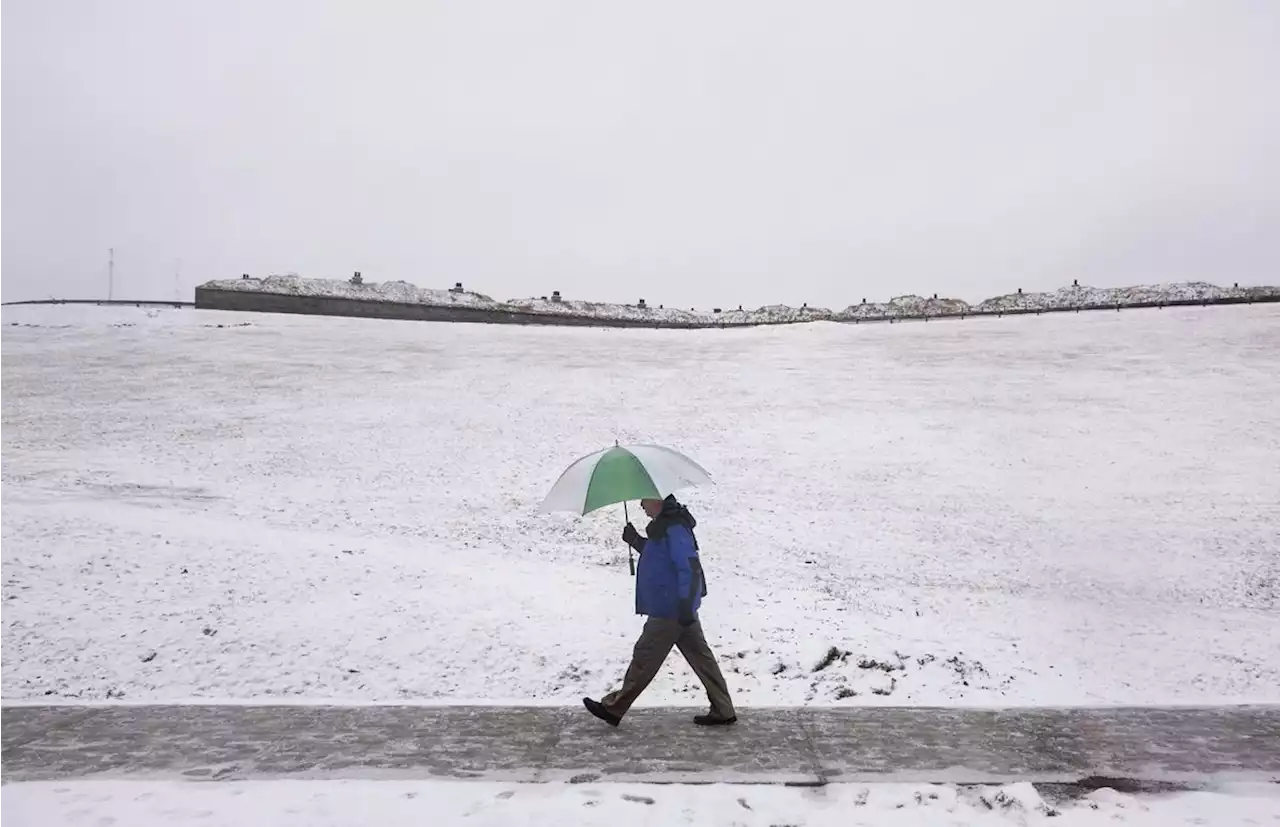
(655, 643)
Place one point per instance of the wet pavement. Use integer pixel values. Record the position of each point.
(795, 745)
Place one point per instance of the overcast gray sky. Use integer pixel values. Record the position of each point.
(694, 153)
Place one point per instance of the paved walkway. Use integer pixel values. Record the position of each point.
(803, 745)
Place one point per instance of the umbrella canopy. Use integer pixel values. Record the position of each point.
(622, 473)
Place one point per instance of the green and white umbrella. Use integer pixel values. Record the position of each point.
(622, 473)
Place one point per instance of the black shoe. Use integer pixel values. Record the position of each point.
(597, 709)
(714, 720)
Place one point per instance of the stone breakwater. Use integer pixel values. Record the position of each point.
(401, 300)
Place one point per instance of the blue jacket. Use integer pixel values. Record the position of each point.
(669, 573)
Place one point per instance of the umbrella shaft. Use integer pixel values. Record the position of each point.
(631, 559)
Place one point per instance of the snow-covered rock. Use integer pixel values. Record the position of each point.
(1066, 298)
(601, 310)
(906, 307)
(1075, 296)
(1019, 799)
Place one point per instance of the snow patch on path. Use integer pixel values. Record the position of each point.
(395, 803)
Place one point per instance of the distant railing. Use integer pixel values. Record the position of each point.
(131, 303)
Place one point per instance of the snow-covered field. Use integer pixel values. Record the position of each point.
(1075, 509)
(396, 803)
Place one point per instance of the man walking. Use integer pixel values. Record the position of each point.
(669, 589)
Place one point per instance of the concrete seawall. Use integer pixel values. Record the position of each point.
(263, 302)
(259, 302)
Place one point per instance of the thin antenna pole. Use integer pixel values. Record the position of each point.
(111, 273)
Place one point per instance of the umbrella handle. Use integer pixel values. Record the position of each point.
(631, 560)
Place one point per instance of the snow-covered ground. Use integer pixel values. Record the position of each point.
(901, 307)
(1073, 509)
(395, 803)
